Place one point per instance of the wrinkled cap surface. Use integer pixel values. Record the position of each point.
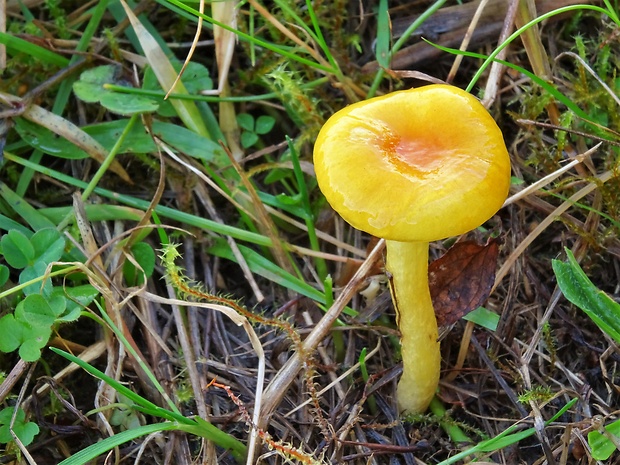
(415, 165)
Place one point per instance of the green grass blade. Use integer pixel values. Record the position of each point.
(267, 269)
(109, 159)
(550, 88)
(199, 426)
(7, 224)
(612, 12)
(504, 439)
(483, 317)
(320, 39)
(146, 404)
(16, 45)
(579, 290)
(321, 266)
(206, 430)
(315, 32)
(95, 450)
(454, 431)
(95, 212)
(30, 214)
(143, 404)
(287, 7)
(601, 446)
(402, 40)
(263, 267)
(129, 348)
(382, 50)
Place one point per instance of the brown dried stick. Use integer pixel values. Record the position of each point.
(279, 385)
(448, 26)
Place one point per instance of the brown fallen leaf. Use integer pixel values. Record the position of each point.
(461, 280)
(352, 264)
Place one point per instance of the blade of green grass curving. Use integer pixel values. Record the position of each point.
(7, 224)
(147, 406)
(321, 266)
(176, 421)
(319, 38)
(402, 40)
(129, 348)
(95, 450)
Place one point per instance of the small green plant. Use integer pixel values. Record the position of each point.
(24, 430)
(41, 306)
(253, 128)
(126, 416)
(32, 255)
(30, 327)
(538, 394)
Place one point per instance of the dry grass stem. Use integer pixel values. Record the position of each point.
(280, 382)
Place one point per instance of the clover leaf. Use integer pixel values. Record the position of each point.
(17, 249)
(24, 430)
(91, 88)
(29, 328)
(252, 128)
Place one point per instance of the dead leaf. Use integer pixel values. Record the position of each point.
(352, 264)
(462, 279)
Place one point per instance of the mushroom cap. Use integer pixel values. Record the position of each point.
(414, 165)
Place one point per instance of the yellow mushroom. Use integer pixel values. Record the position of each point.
(412, 167)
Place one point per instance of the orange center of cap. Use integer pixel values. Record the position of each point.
(415, 157)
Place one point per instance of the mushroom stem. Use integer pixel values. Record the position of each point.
(407, 262)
